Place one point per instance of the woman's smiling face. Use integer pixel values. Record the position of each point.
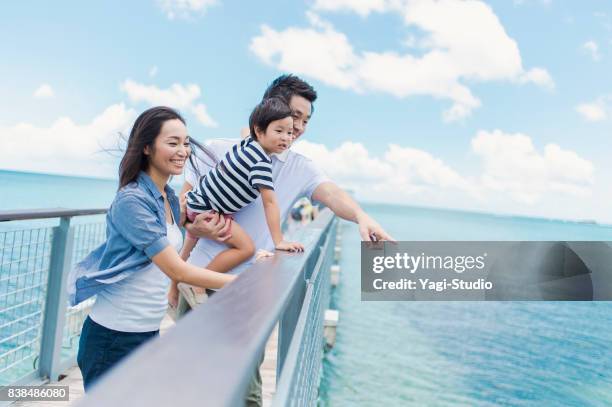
(171, 149)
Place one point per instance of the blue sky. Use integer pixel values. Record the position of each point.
(500, 106)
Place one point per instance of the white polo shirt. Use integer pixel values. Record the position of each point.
(295, 176)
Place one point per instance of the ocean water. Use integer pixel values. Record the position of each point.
(430, 353)
(21, 190)
(466, 353)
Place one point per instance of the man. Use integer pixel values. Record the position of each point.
(295, 176)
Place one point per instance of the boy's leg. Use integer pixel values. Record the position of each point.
(241, 249)
(190, 242)
(182, 308)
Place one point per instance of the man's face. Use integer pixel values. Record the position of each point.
(301, 108)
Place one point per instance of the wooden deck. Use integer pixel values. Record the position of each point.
(74, 381)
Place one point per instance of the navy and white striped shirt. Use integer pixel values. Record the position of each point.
(235, 181)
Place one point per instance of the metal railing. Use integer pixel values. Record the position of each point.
(298, 385)
(37, 328)
(212, 353)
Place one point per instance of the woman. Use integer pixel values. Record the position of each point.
(132, 270)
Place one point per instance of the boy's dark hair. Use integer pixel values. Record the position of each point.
(266, 112)
(285, 86)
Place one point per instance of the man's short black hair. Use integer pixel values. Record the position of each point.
(286, 86)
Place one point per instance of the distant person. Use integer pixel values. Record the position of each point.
(238, 179)
(295, 176)
(303, 211)
(131, 271)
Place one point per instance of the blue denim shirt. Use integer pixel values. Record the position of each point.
(135, 232)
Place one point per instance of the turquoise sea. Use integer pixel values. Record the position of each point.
(429, 354)
(466, 353)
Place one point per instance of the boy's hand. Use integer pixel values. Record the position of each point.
(290, 246)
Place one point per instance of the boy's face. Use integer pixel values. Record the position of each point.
(301, 109)
(277, 137)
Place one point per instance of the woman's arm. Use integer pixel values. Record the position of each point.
(268, 197)
(169, 261)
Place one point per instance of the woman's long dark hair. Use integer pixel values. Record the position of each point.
(144, 132)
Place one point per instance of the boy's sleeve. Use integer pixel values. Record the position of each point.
(261, 175)
(137, 222)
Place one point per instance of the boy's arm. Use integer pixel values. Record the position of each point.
(268, 197)
(270, 205)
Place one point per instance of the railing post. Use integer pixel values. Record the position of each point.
(290, 315)
(286, 324)
(56, 301)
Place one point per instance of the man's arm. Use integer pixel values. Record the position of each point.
(341, 203)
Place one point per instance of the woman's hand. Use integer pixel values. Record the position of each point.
(290, 246)
(210, 226)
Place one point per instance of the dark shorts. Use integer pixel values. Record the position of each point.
(101, 348)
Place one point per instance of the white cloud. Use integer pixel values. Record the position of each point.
(597, 110)
(66, 147)
(399, 174)
(537, 76)
(184, 8)
(361, 7)
(44, 91)
(153, 71)
(592, 49)
(513, 165)
(326, 55)
(181, 97)
(455, 54)
(510, 168)
(592, 112)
